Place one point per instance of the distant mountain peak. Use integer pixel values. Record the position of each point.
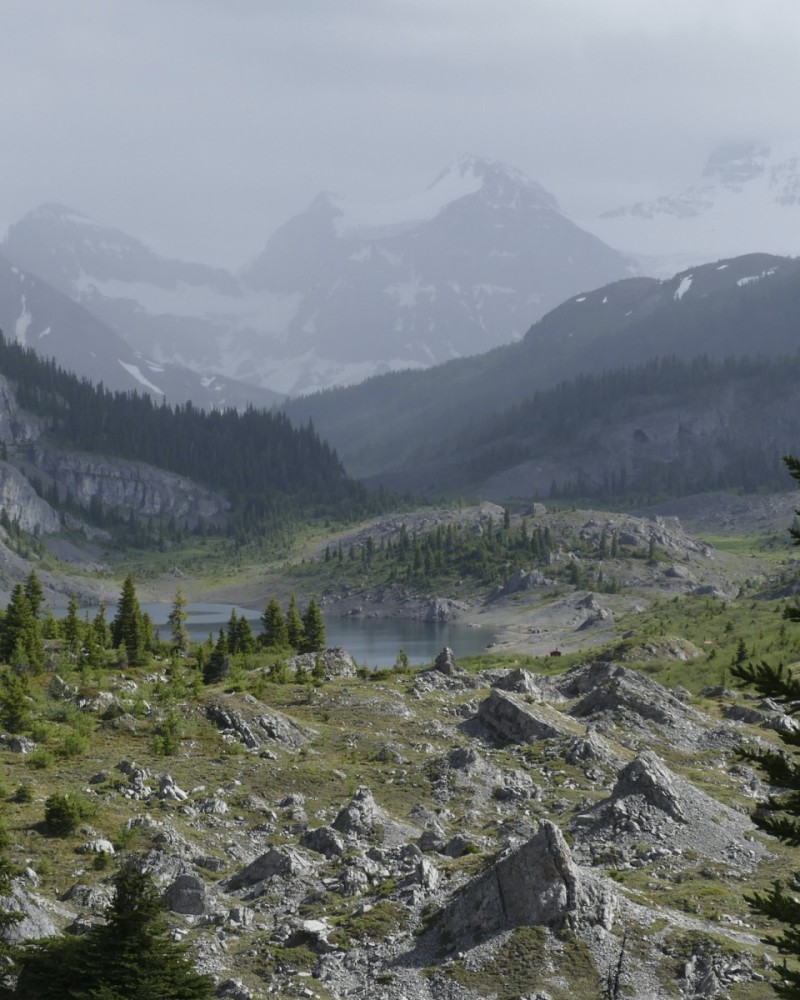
(745, 200)
(737, 162)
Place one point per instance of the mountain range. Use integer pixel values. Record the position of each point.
(35, 314)
(404, 429)
(746, 199)
(342, 291)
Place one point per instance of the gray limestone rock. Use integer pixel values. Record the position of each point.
(535, 884)
(360, 817)
(35, 921)
(286, 861)
(445, 662)
(187, 894)
(333, 662)
(324, 840)
(512, 720)
(522, 681)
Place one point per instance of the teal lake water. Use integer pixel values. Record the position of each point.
(372, 642)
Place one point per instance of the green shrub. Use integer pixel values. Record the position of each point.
(63, 814)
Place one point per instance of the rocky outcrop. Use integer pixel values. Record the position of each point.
(536, 884)
(35, 921)
(128, 486)
(24, 505)
(511, 720)
(612, 692)
(649, 802)
(360, 817)
(286, 861)
(523, 580)
(253, 724)
(333, 662)
(17, 426)
(525, 682)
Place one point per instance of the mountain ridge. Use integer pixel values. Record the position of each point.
(341, 291)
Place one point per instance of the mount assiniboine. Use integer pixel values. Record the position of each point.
(346, 290)
(341, 291)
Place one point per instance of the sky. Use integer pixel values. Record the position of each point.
(200, 126)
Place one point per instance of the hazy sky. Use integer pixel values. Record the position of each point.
(201, 125)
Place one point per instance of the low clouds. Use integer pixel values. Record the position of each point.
(201, 125)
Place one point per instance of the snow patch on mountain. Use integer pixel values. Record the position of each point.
(23, 323)
(136, 372)
(463, 178)
(683, 287)
(341, 291)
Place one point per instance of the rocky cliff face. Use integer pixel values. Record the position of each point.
(122, 486)
(127, 487)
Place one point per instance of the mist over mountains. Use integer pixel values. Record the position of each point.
(747, 199)
(341, 291)
(412, 315)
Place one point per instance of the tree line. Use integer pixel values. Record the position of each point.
(272, 472)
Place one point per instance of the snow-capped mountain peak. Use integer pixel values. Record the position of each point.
(342, 290)
(747, 199)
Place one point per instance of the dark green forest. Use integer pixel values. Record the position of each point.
(391, 422)
(589, 427)
(272, 472)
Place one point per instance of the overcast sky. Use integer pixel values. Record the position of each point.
(199, 126)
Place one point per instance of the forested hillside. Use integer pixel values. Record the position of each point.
(271, 471)
(666, 428)
(744, 306)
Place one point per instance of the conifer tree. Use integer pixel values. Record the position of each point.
(34, 592)
(128, 630)
(313, 629)
(72, 627)
(130, 957)
(21, 633)
(177, 624)
(100, 630)
(780, 814)
(294, 625)
(274, 634)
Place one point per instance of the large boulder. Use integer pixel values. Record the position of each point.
(286, 861)
(187, 894)
(332, 662)
(360, 817)
(512, 720)
(536, 884)
(35, 922)
(651, 805)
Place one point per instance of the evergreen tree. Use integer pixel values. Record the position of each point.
(780, 814)
(34, 592)
(14, 701)
(274, 634)
(21, 633)
(72, 627)
(177, 624)
(294, 625)
(100, 630)
(130, 957)
(128, 630)
(313, 629)
(245, 640)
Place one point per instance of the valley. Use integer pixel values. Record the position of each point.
(564, 811)
(498, 825)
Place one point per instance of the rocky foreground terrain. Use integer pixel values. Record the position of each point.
(512, 826)
(435, 834)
